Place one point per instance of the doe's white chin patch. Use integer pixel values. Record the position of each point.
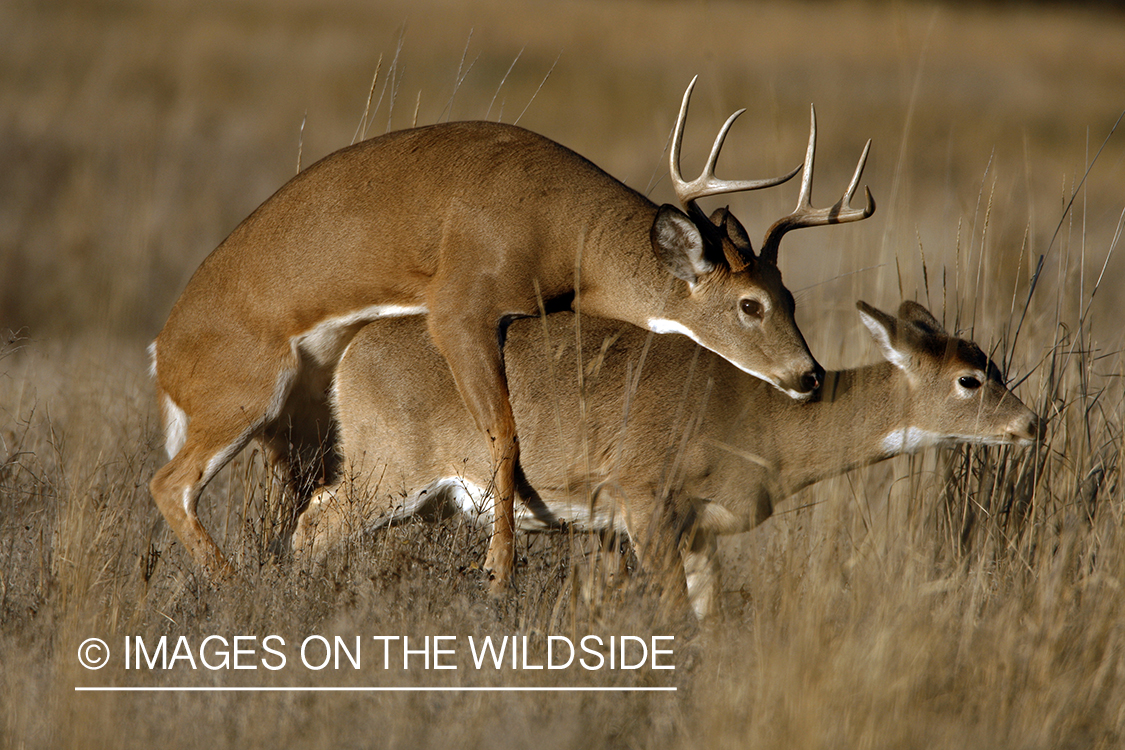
(913, 439)
(910, 440)
(795, 395)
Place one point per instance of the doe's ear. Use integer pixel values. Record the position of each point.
(884, 329)
(678, 244)
(912, 312)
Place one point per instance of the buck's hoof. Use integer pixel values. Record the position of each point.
(499, 583)
(498, 588)
(499, 574)
(219, 571)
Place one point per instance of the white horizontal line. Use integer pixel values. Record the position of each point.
(333, 689)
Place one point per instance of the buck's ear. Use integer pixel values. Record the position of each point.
(912, 312)
(742, 254)
(734, 231)
(678, 244)
(885, 330)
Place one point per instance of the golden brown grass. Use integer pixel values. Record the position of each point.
(969, 599)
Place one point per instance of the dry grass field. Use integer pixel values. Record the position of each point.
(970, 598)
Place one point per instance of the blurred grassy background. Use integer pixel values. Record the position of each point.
(929, 602)
(135, 135)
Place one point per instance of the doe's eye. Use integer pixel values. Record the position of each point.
(751, 308)
(968, 382)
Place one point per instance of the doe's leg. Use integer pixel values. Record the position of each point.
(654, 542)
(322, 525)
(701, 569)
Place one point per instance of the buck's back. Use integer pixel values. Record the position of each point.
(378, 211)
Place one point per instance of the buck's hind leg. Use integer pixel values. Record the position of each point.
(177, 486)
(215, 424)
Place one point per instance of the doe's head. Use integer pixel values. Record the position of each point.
(955, 392)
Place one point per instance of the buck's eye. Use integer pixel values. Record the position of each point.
(968, 382)
(751, 308)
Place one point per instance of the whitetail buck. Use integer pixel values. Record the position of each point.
(473, 224)
(656, 436)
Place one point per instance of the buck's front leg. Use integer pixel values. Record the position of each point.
(500, 563)
(475, 359)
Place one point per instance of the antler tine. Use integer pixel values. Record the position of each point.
(804, 200)
(678, 183)
(707, 184)
(805, 215)
(847, 199)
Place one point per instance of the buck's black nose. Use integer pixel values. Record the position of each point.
(812, 379)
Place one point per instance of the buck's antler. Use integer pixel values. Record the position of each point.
(807, 216)
(707, 184)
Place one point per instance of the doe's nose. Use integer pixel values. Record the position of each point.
(1028, 428)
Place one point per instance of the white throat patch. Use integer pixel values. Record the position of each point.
(913, 439)
(910, 440)
(663, 325)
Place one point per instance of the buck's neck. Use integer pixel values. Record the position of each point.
(619, 276)
(845, 426)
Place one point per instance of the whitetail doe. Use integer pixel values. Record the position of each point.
(473, 224)
(657, 436)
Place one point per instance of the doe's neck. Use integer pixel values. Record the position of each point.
(853, 420)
